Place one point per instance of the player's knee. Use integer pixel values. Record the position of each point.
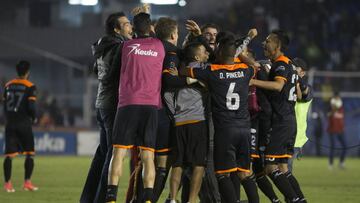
(271, 168)
(243, 175)
(161, 161)
(147, 156)
(283, 168)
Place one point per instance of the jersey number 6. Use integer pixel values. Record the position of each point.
(231, 96)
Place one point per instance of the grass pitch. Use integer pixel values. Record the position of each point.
(60, 180)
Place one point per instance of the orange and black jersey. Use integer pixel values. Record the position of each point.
(283, 102)
(19, 102)
(228, 86)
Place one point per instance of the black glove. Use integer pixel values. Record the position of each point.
(303, 84)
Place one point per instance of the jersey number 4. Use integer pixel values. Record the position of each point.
(13, 100)
(232, 99)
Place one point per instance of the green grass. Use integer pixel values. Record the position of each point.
(60, 180)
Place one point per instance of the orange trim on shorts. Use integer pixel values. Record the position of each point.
(12, 154)
(280, 77)
(255, 156)
(187, 122)
(243, 170)
(29, 153)
(226, 171)
(172, 53)
(32, 98)
(147, 148)
(20, 81)
(123, 146)
(279, 156)
(166, 71)
(163, 150)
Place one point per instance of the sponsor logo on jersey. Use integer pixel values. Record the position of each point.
(137, 51)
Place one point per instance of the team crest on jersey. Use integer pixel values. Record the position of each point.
(280, 68)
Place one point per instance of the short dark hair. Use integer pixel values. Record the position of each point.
(22, 68)
(165, 27)
(210, 25)
(190, 50)
(298, 62)
(142, 23)
(227, 45)
(283, 38)
(112, 22)
(221, 35)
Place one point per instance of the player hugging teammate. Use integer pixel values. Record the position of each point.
(170, 98)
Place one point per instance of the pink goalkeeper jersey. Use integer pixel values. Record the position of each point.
(141, 69)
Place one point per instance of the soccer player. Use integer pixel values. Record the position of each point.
(166, 30)
(302, 106)
(191, 131)
(228, 85)
(136, 118)
(282, 96)
(19, 107)
(118, 30)
(260, 112)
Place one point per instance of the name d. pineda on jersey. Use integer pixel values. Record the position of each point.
(137, 51)
(237, 74)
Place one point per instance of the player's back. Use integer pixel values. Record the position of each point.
(19, 96)
(141, 69)
(229, 87)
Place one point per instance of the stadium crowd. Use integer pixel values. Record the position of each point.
(327, 33)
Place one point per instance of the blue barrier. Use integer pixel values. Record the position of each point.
(51, 143)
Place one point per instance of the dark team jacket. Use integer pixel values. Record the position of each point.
(283, 102)
(228, 86)
(105, 51)
(171, 83)
(19, 102)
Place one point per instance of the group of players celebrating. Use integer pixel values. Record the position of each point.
(184, 107)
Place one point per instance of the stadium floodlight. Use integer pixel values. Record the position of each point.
(182, 3)
(160, 2)
(83, 2)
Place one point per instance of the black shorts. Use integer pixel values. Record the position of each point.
(135, 125)
(260, 129)
(164, 132)
(19, 139)
(263, 133)
(281, 142)
(254, 138)
(232, 149)
(190, 145)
